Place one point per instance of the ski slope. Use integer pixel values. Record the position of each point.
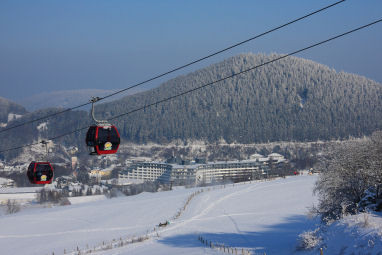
(262, 217)
(258, 216)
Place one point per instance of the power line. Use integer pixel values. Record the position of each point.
(177, 68)
(211, 83)
(245, 71)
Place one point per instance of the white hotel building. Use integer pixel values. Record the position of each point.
(254, 168)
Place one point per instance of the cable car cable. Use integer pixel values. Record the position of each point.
(211, 83)
(177, 68)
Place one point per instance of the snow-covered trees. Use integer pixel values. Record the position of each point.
(350, 173)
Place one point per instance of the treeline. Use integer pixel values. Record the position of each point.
(7, 107)
(290, 100)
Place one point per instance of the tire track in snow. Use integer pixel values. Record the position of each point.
(198, 216)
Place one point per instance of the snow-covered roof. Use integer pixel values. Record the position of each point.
(275, 155)
(256, 155)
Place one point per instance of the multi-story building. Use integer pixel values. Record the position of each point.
(183, 174)
(230, 171)
(256, 167)
(148, 171)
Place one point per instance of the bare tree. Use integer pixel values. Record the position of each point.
(12, 206)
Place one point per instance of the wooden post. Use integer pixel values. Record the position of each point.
(321, 251)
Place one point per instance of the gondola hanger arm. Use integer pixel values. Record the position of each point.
(98, 122)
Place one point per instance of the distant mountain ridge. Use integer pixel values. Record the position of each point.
(68, 98)
(293, 99)
(61, 99)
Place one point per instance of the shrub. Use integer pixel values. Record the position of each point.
(309, 240)
(45, 195)
(12, 206)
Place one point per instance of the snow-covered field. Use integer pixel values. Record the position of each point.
(259, 216)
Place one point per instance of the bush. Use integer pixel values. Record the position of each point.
(53, 196)
(65, 201)
(309, 240)
(347, 174)
(12, 206)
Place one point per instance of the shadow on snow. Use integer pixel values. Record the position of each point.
(273, 240)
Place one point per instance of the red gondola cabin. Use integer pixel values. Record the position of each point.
(103, 139)
(40, 172)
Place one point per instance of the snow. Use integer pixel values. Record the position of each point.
(21, 195)
(355, 234)
(3, 181)
(85, 199)
(258, 216)
(42, 126)
(13, 116)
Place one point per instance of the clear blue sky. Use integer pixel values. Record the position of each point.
(60, 45)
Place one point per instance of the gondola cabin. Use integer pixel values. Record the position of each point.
(102, 139)
(40, 172)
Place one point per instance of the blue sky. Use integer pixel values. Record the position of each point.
(61, 45)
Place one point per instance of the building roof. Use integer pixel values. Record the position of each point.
(256, 155)
(275, 155)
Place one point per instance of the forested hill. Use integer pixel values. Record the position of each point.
(8, 107)
(291, 99)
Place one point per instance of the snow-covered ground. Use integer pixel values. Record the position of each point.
(259, 216)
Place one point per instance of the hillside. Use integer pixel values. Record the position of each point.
(65, 98)
(293, 99)
(9, 110)
(61, 99)
(262, 217)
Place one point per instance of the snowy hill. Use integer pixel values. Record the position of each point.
(259, 217)
(9, 111)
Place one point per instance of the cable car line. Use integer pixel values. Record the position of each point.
(211, 83)
(177, 68)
